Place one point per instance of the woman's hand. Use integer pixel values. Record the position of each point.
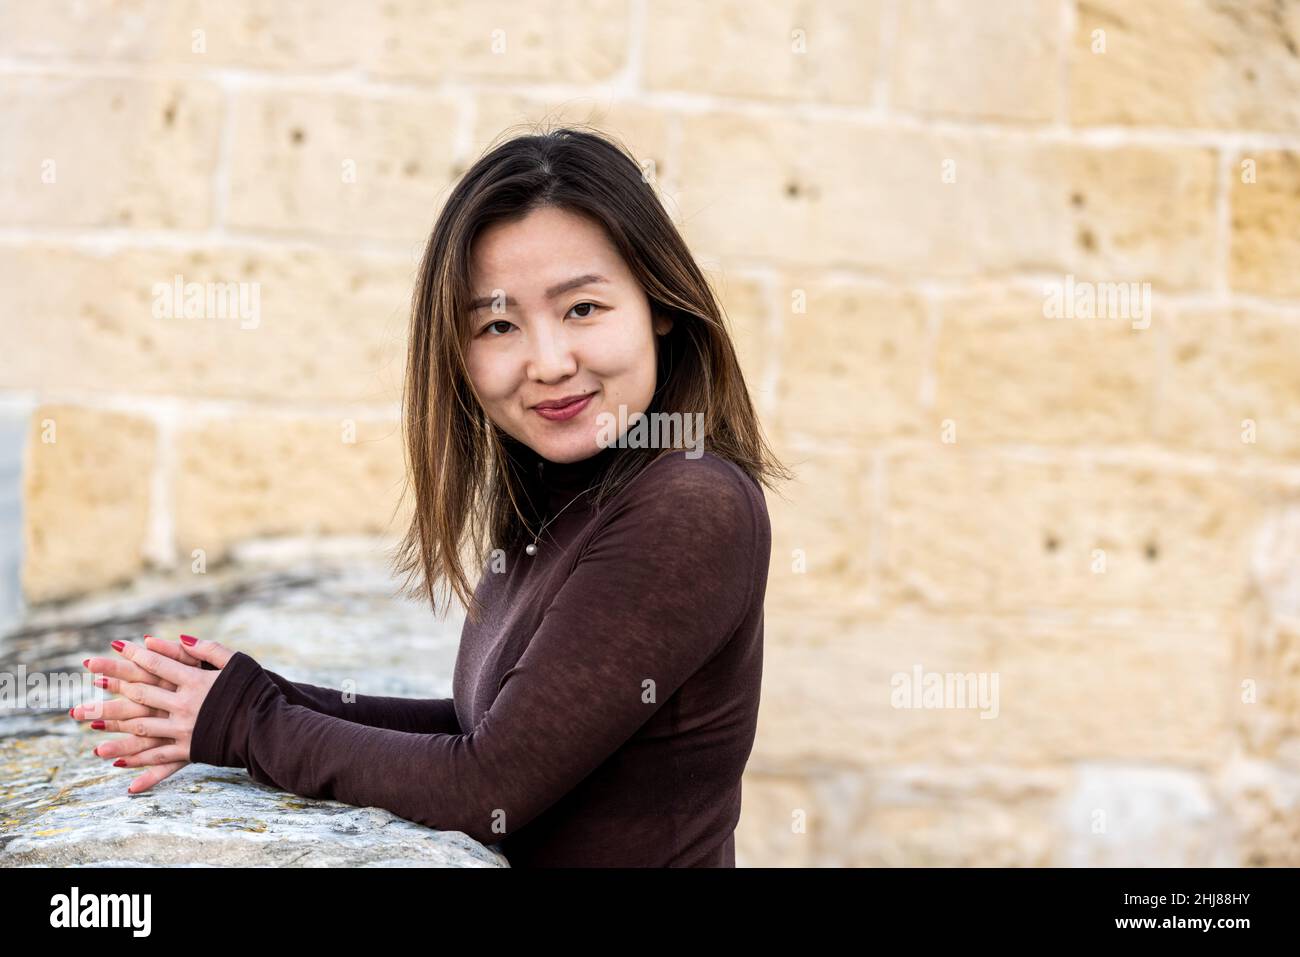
(164, 692)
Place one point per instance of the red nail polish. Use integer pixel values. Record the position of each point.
(70, 714)
(119, 763)
(189, 639)
(85, 662)
(119, 645)
(97, 725)
(101, 682)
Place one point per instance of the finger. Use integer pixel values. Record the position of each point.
(209, 651)
(146, 694)
(164, 753)
(152, 662)
(116, 708)
(144, 727)
(153, 776)
(172, 649)
(117, 747)
(126, 670)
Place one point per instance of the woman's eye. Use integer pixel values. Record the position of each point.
(594, 307)
(500, 322)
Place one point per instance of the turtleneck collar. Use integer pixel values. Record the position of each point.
(558, 483)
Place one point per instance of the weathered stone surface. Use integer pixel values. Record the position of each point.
(1125, 816)
(198, 33)
(777, 822)
(86, 499)
(851, 360)
(246, 477)
(1263, 803)
(575, 40)
(823, 527)
(1186, 63)
(1231, 385)
(978, 530)
(1006, 372)
(1265, 247)
(91, 173)
(951, 59)
(319, 324)
(1142, 214)
(922, 815)
(1061, 687)
(323, 622)
(824, 193)
(827, 52)
(554, 41)
(355, 166)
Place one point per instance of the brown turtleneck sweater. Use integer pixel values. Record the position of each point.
(604, 705)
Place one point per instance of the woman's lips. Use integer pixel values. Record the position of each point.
(565, 412)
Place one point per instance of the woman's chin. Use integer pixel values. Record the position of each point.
(572, 448)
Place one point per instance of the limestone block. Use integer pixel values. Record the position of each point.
(273, 475)
(85, 500)
(278, 325)
(142, 152)
(364, 166)
(827, 52)
(954, 60)
(1265, 246)
(1186, 63)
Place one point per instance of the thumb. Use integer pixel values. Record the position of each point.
(210, 651)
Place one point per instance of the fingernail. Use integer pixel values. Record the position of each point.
(148, 636)
(101, 682)
(119, 645)
(85, 662)
(98, 726)
(189, 639)
(70, 714)
(119, 763)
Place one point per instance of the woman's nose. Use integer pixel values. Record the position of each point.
(551, 355)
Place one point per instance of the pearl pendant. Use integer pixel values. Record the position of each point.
(531, 549)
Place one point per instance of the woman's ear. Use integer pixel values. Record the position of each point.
(662, 324)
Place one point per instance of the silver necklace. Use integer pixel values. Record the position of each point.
(531, 548)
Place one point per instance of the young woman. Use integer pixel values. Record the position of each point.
(606, 689)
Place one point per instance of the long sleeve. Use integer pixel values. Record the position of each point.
(663, 584)
(421, 715)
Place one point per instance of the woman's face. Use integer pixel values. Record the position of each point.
(557, 314)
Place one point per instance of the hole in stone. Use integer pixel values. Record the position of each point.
(1152, 551)
(1076, 199)
(1051, 543)
(296, 136)
(1087, 240)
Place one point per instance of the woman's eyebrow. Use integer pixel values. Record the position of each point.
(590, 279)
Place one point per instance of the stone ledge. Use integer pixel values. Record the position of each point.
(321, 623)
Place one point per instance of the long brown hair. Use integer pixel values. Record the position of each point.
(466, 483)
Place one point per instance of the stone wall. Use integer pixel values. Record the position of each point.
(1099, 510)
